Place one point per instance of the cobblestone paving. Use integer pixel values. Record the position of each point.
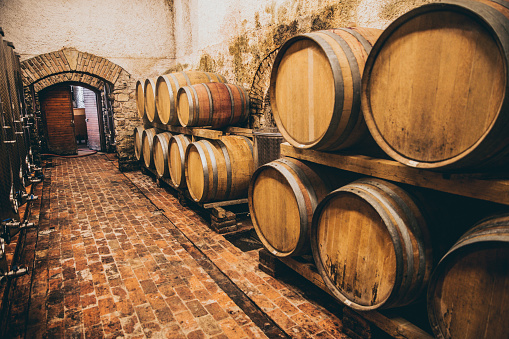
(116, 256)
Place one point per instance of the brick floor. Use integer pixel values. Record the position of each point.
(117, 256)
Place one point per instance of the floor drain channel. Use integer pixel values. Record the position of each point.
(259, 318)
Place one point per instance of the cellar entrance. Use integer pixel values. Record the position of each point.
(73, 117)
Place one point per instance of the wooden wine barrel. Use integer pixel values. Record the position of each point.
(150, 100)
(315, 88)
(140, 98)
(283, 195)
(436, 83)
(138, 142)
(219, 170)
(177, 158)
(147, 145)
(160, 152)
(371, 245)
(468, 292)
(212, 104)
(167, 87)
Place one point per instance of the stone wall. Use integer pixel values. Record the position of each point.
(125, 120)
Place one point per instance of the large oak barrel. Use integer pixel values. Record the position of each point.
(167, 87)
(371, 245)
(219, 169)
(315, 88)
(140, 98)
(150, 100)
(435, 86)
(212, 104)
(177, 158)
(160, 152)
(138, 142)
(147, 146)
(468, 294)
(283, 195)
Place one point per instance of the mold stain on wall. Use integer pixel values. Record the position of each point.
(245, 48)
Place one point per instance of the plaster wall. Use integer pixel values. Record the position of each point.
(232, 36)
(135, 34)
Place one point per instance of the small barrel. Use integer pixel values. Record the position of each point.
(212, 104)
(435, 91)
(167, 87)
(177, 158)
(283, 195)
(315, 88)
(140, 98)
(468, 292)
(150, 100)
(371, 245)
(147, 145)
(218, 170)
(160, 152)
(138, 142)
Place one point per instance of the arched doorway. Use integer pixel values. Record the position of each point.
(75, 115)
(69, 66)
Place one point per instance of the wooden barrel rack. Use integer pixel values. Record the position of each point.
(489, 187)
(226, 217)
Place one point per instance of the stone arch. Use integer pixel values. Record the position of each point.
(71, 65)
(82, 78)
(68, 60)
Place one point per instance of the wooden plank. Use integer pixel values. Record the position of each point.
(197, 132)
(203, 132)
(495, 190)
(247, 132)
(207, 133)
(395, 326)
(225, 203)
(307, 271)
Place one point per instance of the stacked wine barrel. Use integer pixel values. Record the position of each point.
(210, 170)
(16, 125)
(191, 99)
(432, 91)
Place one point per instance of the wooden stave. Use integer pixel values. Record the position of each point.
(181, 142)
(398, 296)
(150, 100)
(240, 154)
(198, 108)
(333, 139)
(161, 140)
(213, 155)
(148, 147)
(207, 157)
(140, 98)
(173, 82)
(309, 189)
(138, 141)
(489, 233)
(487, 152)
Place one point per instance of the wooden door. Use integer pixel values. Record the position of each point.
(57, 110)
(93, 124)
